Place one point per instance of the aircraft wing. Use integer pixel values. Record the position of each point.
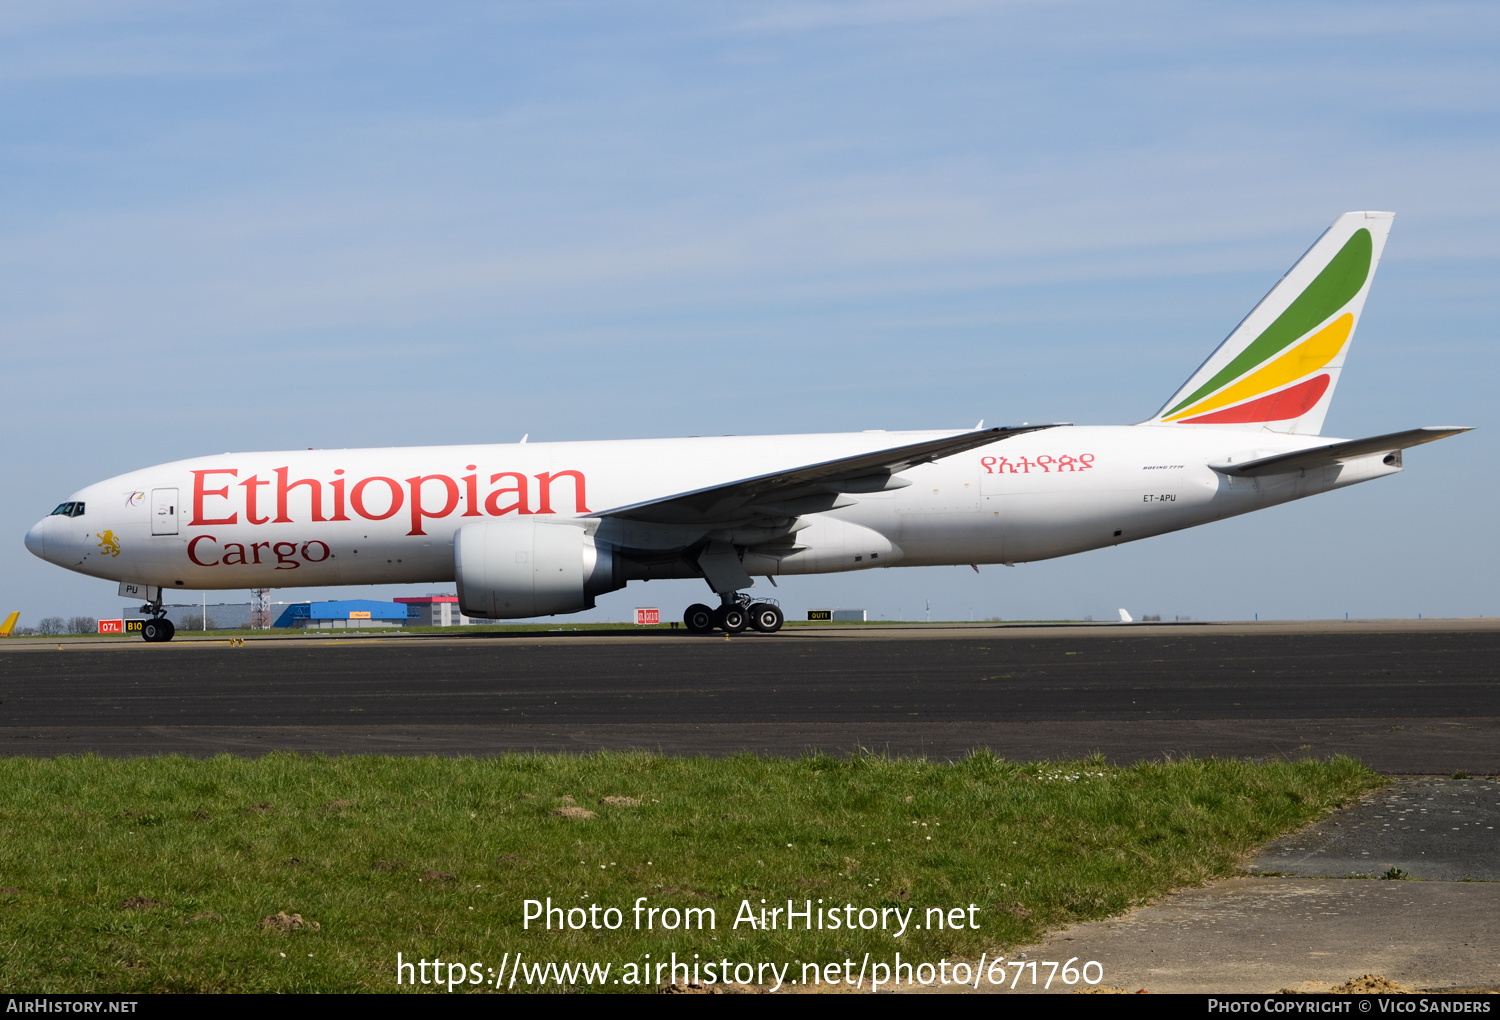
(810, 488)
(1320, 456)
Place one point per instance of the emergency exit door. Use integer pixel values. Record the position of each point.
(163, 511)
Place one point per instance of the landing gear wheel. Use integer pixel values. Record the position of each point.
(159, 629)
(699, 619)
(731, 619)
(766, 618)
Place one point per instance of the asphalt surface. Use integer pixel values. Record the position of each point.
(1405, 698)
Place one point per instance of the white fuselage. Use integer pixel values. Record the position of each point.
(379, 516)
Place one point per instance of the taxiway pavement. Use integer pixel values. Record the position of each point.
(1405, 697)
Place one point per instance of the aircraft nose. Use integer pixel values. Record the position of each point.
(36, 542)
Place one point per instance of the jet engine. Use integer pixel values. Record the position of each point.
(509, 569)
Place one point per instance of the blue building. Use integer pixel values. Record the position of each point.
(345, 614)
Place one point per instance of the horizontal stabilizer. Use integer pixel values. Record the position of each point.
(1320, 456)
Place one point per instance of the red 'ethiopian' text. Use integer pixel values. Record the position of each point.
(378, 498)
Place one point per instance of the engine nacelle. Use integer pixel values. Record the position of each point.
(510, 569)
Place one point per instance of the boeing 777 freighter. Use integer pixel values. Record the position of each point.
(535, 529)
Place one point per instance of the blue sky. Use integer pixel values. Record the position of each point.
(261, 226)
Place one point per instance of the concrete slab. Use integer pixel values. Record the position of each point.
(1258, 935)
(1428, 828)
(1262, 934)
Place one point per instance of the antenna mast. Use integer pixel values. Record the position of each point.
(260, 608)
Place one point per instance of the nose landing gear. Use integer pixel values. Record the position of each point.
(158, 628)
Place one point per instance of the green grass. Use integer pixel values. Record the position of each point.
(433, 857)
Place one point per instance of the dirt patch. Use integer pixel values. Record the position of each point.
(140, 903)
(284, 922)
(9, 890)
(1014, 910)
(511, 859)
(1369, 984)
(622, 801)
(574, 814)
(565, 799)
(338, 805)
(207, 915)
(433, 875)
(692, 989)
(260, 809)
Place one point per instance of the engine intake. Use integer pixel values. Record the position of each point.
(511, 569)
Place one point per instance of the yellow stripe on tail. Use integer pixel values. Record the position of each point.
(9, 625)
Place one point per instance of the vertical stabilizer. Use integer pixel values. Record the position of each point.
(9, 624)
(1279, 367)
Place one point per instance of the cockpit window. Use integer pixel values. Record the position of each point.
(68, 510)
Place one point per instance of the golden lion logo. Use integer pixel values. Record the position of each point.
(109, 543)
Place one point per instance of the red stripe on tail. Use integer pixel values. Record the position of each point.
(1289, 403)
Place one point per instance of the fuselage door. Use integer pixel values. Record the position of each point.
(163, 511)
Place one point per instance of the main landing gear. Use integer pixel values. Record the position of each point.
(158, 628)
(737, 614)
